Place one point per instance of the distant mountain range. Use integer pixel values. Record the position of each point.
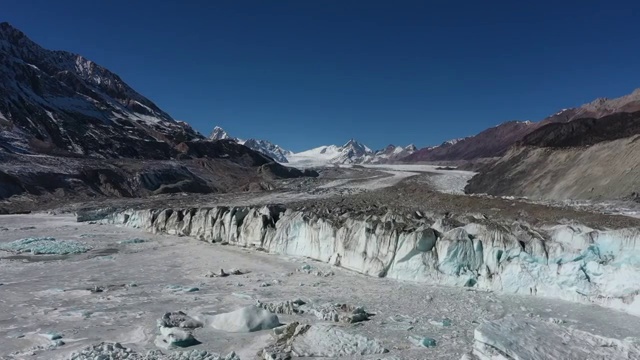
(263, 146)
(490, 143)
(352, 152)
(495, 141)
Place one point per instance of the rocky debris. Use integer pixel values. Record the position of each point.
(247, 319)
(283, 307)
(524, 338)
(178, 319)
(115, 351)
(281, 349)
(303, 340)
(306, 268)
(222, 273)
(45, 246)
(340, 313)
(171, 338)
(176, 330)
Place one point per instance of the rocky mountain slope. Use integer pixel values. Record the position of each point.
(585, 158)
(489, 143)
(262, 146)
(495, 141)
(268, 148)
(69, 127)
(57, 102)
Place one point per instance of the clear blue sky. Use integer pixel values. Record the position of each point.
(304, 73)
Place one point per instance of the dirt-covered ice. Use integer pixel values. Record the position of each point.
(53, 305)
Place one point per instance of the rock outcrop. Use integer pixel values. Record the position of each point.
(567, 261)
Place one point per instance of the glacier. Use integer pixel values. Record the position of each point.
(566, 261)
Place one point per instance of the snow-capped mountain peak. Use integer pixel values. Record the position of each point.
(353, 151)
(268, 148)
(263, 146)
(218, 133)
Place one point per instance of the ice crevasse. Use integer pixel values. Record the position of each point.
(567, 261)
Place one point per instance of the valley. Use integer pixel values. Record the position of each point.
(128, 234)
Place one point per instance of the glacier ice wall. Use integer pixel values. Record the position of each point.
(571, 262)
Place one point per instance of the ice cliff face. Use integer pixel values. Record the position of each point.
(570, 262)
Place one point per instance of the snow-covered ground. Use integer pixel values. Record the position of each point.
(448, 181)
(118, 290)
(316, 157)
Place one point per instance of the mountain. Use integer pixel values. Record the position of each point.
(265, 147)
(495, 141)
(71, 129)
(262, 146)
(57, 102)
(218, 133)
(598, 108)
(491, 142)
(353, 152)
(586, 158)
(391, 153)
